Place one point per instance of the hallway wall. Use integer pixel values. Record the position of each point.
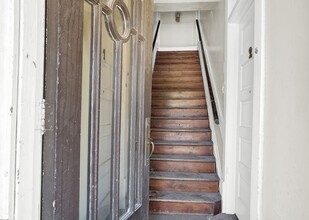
(174, 34)
(213, 28)
(285, 165)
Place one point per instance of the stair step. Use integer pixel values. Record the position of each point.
(180, 112)
(181, 134)
(184, 148)
(179, 103)
(178, 86)
(177, 60)
(184, 202)
(178, 67)
(188, 182)
(184, 79)
(177, 94)
(183, 163)
(177, 123)
(174, 216)
(176, 73)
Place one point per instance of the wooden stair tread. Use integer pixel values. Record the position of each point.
(186, 158)
(181, 118)
(184, 176)
(178, 216)
(184, 197)
(184, 143)
(180, 129)
(166, 107)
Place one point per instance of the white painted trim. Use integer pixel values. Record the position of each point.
(231, 91)
(213, 83)
(24, 68)
(258, 113)
(9, 47)
(229, 193)
(177, 48)
(211, 117)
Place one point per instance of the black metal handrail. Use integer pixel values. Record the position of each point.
(156, 35)
(211, 94)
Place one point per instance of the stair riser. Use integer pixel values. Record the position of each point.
(179, 103)
(178, 73)
(181, 207)
(177, 67)
(181, 135)
(184, 150)
(183, 166)
(185, 79)
(164, 61)
(184, 57)
(178, 95)
(176, 86)
(161, 112)
(178, 124)
(183, 185)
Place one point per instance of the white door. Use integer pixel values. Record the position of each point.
(245, 113)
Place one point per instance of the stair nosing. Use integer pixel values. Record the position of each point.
(185, 143)
(181, 118)
(208, 177)
(183, 158)
(201, 197)
(180, 130)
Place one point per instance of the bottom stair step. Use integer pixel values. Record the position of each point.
(173, 216)
(184, 202)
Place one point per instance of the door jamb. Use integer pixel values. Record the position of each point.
(229, 193)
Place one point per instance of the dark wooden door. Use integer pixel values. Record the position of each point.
(97, 92)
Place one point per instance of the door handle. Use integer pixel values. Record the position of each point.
(250, 52)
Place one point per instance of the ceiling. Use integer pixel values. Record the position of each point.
(184, 5)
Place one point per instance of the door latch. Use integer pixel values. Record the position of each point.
(250, 52)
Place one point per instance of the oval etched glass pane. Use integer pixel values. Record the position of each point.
(119, 20)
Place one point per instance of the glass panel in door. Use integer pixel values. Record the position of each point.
(105, 127)
(84, 139)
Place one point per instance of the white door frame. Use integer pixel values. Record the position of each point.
(23, 42)
(231, 82)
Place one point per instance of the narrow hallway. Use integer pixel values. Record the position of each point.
(183, 178)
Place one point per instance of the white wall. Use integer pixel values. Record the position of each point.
(177, 34)
(286, 145)
(213, 32)
(213, 28)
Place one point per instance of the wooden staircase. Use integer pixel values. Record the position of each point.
(183, 179)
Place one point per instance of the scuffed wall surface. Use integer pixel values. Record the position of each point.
(286, 152)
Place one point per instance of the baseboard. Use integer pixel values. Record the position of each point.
(177, 48)
(212, 122)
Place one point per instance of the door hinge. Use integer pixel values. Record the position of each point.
(43, 107)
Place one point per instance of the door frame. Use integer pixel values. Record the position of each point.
(231, 82)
